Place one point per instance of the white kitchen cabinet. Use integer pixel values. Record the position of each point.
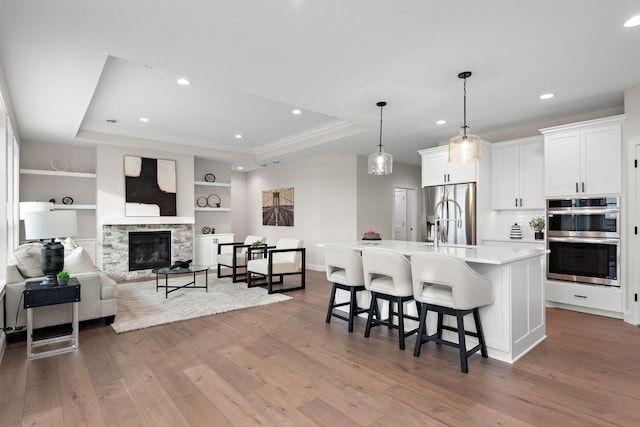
(584, 159)
(602, 300)
(517, 174)
(436, 169)
(206, 248)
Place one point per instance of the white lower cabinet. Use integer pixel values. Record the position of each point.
(605, 298)
(206, 248)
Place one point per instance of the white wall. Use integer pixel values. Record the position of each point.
(335, 200)
(110, 180)
(376, 197)
(240, 224)
(324, 198)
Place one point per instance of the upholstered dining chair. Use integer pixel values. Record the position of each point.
(448, 286)
(387, 275)
(287, 258)
(236, 259)
(344, 271)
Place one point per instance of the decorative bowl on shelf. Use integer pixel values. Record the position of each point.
(213, 200)
(201, 202)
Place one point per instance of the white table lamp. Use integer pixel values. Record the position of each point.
(34, 207)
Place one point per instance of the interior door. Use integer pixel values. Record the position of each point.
(400, 215)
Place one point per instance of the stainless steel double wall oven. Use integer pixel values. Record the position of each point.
(583, 236)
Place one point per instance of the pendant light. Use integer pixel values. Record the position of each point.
(464, 148)
(380, 163)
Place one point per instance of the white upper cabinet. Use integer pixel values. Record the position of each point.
(517, 174)
(437, 171)
(584, 159)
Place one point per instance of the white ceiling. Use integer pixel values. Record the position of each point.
(70, 65)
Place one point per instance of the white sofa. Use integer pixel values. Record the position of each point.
(98, 292)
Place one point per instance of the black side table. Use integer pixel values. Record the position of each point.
(36, 295)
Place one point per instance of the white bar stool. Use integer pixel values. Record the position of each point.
(387, 275)
(344, 270)
(447, 285)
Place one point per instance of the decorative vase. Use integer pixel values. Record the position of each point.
(539, 235)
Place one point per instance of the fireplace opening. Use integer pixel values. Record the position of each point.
(149, 249)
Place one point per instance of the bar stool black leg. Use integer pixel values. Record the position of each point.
(331, 303)
(352, 308)
(422, 330)
(483, 344)
(462, 342)
(401, 322)
(372, 308)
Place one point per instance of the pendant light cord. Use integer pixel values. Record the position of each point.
(380, 145)
(464, 114)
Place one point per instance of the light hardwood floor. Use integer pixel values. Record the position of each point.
(282, 365)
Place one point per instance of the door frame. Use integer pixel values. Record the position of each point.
(632, 244)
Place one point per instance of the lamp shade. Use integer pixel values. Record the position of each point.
(50, 224)
(380, 163)
(34, 207)
(464, 149)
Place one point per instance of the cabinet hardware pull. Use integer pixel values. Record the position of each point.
(444, 177)
(520, 202)
(577, 187)
(516, 202)
(580, 296)
(583, 186)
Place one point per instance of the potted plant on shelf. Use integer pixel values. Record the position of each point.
(537, 224)
(63, 278)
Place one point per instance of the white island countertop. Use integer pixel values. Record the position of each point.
(515, 322)
(497, 255)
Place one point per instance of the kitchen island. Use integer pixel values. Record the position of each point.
(515, 322)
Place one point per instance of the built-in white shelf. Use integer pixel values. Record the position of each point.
(198, 209)
(74, 207)
(58, 173)
(212, 184)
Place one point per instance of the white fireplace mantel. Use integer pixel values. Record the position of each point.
(137, 220)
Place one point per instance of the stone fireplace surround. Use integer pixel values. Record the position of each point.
(115, 247)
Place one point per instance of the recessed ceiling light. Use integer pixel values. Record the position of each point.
(441, 122)
(237, 136)
(633, 22)
(183, 82)
(296, 112)
(547, 95)
(144, 119)
(240, 168)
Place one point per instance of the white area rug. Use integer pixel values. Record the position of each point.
(140, 306)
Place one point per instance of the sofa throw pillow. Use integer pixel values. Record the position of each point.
(78, 261)
(28, 259)
(69, 244)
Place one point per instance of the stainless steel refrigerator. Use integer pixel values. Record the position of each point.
(453, 207)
